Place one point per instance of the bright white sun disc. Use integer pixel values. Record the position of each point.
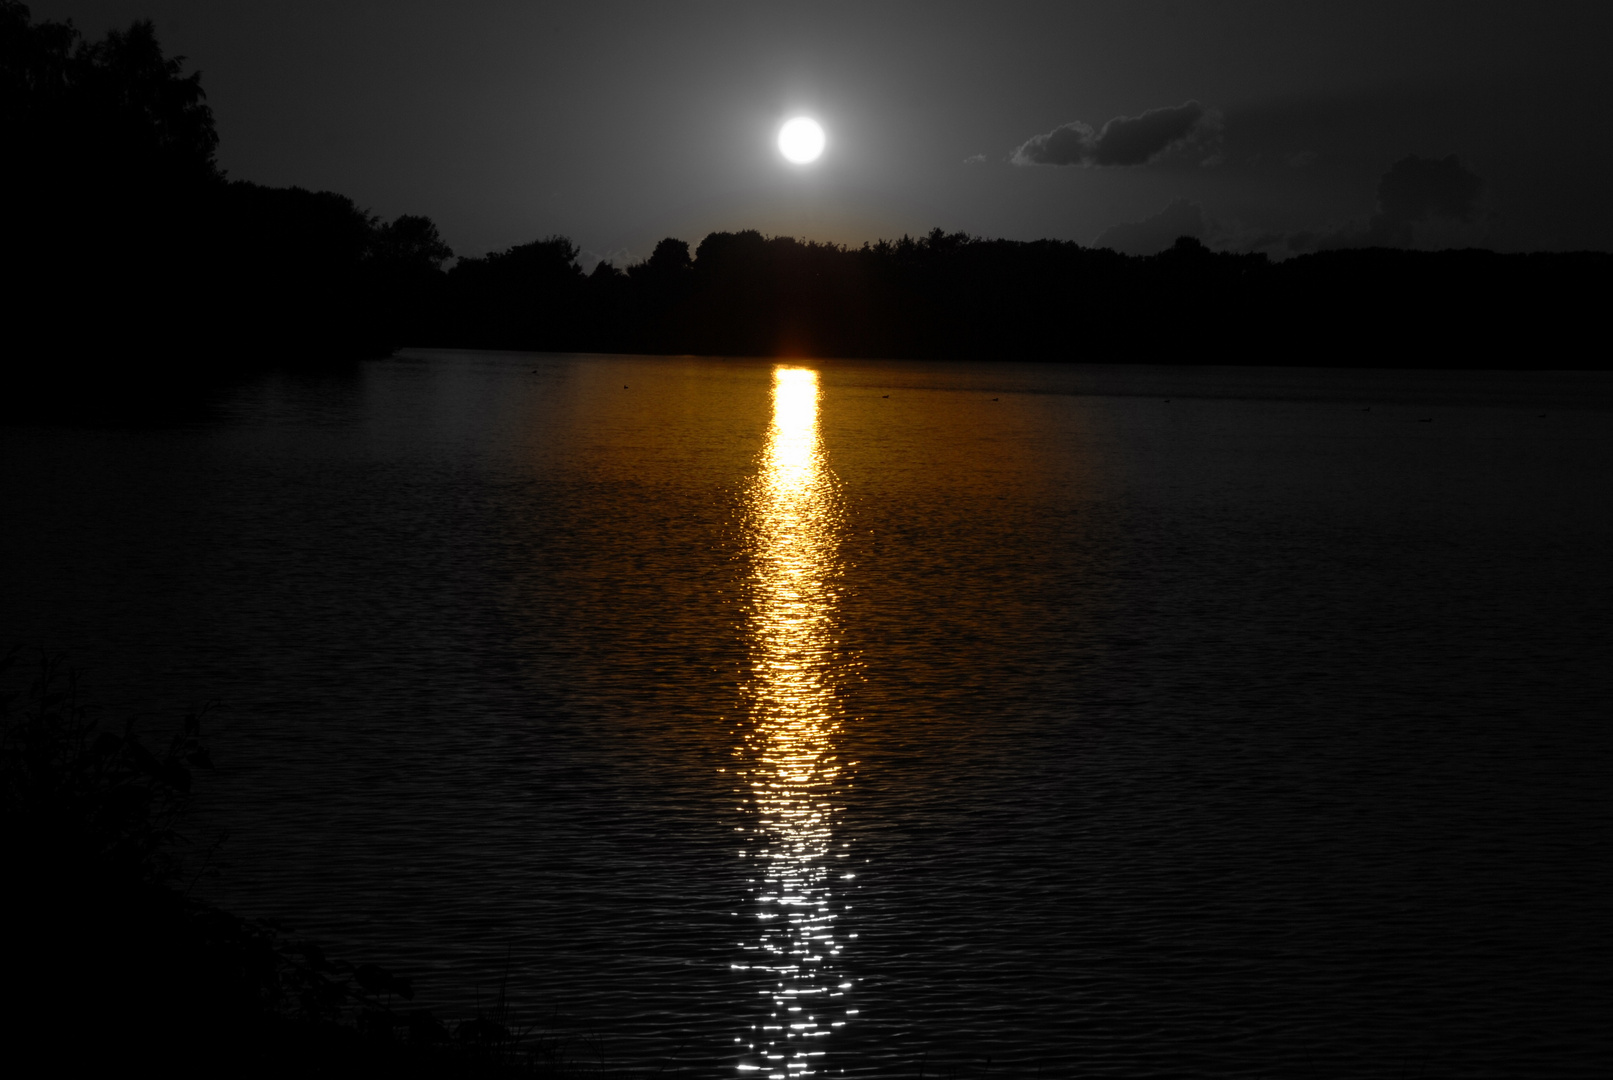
(801, 140)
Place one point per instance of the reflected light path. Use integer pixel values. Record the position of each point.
(790, 770)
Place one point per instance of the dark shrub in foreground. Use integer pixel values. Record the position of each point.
(111, 967)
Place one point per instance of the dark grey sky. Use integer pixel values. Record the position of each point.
(618, 123)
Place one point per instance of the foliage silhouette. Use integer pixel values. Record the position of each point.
(136, 265)
(953, 296)
(524, 293)
(110, 962)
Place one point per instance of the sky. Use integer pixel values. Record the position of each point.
(1276, 126)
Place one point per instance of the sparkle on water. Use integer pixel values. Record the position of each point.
(790, 763)
(801, 140)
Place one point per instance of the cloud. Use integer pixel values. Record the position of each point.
(1154, 234)
(1124, 140)
(978, 159)
(1415, 191)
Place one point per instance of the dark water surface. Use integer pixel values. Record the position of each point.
(870, 715)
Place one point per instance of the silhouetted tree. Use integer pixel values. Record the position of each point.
(109, 115)
(109, 152)
(658, 287)
(132, 260)
(526, 296)
(410, 242)
(405, 278)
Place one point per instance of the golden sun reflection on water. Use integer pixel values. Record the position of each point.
(794, 517)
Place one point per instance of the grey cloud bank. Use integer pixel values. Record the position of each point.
(1123, 141)
(1414, 191)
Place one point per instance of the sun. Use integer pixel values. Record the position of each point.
(801, 140)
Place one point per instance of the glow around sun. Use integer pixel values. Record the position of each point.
(801, 140)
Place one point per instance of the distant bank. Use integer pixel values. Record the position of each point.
(957, 297)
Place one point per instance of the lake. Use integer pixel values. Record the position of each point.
(798, 718)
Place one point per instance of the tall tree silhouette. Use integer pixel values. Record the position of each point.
(133, 260)
(110, 155)
(111, 115)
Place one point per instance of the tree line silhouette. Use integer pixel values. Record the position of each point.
(135, 258)
(954, 296)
